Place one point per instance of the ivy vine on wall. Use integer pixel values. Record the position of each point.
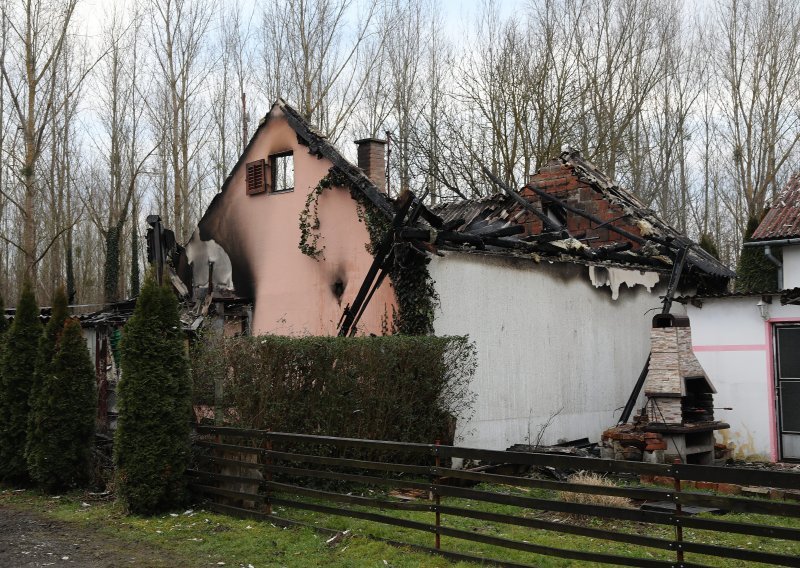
(413, 286)
(309, 216)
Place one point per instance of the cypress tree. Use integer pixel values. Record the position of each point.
(707, 244)
(3, 320)
(755, 273)
(38, 432)
(151, 444)
(135, 281)
(16, 372)
(67, 410)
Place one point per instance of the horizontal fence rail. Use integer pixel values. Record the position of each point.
(246, 472)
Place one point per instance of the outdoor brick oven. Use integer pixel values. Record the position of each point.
(680, 397)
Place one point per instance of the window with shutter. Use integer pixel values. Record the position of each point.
(256, 177)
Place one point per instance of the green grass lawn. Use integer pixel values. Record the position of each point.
(207, 538)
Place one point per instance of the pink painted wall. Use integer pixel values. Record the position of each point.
(294, 293)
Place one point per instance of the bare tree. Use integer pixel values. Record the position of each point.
(179, 29)
(759, 76)
(38, 31)
(315, 60)
(123, 149)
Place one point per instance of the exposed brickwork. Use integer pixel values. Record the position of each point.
(371, 160)
(560, 180)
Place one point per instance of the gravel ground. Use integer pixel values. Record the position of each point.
(28, 540)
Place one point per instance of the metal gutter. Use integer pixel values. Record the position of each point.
(792, 241)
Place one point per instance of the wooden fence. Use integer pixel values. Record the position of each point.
(262, 469)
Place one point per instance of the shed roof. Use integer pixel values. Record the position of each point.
(782, 221)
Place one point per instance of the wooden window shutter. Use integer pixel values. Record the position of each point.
(256, 177)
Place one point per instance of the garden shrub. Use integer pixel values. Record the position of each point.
(755, 273)
(402, 388)
(37, 436)
(16, 371)
(63, 458)
(151, 445)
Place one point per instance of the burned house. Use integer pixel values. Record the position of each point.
(553, 282)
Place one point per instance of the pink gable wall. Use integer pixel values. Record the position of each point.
(294, 293)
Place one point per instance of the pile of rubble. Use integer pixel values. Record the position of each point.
(632, 442)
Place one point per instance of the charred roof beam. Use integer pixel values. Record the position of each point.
(551, 225)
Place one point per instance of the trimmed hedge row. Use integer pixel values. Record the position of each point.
(404, 388)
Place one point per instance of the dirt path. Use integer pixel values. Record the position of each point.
(28, 540)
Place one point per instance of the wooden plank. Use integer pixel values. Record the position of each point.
(592, 556)
(737, 475)
(739, 505)
(208, 490)
(350, 499)
(738, 528)
(324, 440)
(638, 493)
(637, 539)
(346, 462)
(740, 554)
(366, 479)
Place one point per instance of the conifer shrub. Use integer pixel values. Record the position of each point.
(38, 433)
(3, 320)
(66, 408)
(755, 273)
(16, 372)
(707, 243)
(151, 444)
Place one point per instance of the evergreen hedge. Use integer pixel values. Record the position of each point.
(16, 371)
(151, 444)
(3, 320)
(66, 409)
(38, 433)
(755, 273)
(405, 388)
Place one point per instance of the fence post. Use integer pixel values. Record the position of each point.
(678, 513)
(268, 502)
(436, 500)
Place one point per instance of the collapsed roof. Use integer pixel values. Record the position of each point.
(568, 190)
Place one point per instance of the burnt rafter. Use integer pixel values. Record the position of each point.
(377, 270)
(551, 225)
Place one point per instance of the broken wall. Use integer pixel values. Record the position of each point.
(547, 340)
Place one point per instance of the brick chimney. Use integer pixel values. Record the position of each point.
(371, 160)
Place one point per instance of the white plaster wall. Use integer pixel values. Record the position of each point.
(791, 266)
(547, 340)
(734, 346)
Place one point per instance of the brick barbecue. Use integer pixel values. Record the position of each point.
(677, 421)
(680, 396)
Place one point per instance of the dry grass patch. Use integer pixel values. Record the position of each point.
(597, 480)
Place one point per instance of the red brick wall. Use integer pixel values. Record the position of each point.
(560, 181)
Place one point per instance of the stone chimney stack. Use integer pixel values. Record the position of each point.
(371, 159)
